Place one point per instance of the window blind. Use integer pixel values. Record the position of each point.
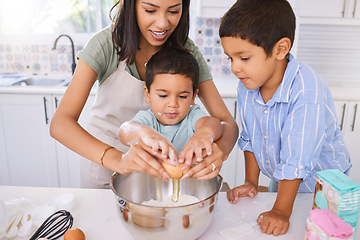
(331, 50)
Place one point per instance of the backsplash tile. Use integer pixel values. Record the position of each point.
(36, 59)
(41, 59)
(208, 41)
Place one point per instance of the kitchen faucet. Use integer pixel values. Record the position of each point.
(73, 65)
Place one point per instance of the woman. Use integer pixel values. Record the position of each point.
(117, 57)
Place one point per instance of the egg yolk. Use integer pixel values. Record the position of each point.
(174, 172)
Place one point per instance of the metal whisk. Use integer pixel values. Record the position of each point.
(54, 226)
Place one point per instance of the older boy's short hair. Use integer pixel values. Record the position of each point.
(172, 61)
(261, 22)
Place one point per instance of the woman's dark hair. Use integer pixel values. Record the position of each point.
(126, 32)
(172, 61)
(261, 22)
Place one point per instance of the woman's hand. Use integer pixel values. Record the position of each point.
(209, 167)
(131, 132)
(141, 158)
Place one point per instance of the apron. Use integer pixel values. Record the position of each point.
(118, 99)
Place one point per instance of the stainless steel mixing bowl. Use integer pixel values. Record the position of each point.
(148, 222)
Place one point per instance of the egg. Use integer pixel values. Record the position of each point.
(74, 234)
(174, 172)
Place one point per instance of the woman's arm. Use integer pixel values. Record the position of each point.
(216, 107)
(65, 128)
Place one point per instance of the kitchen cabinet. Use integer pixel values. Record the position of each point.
(216, 8)
(233, 169)
(349, 121)
(356, 12)
(329, 8)
(69, 161)
(229, 169)
(29, 155)
(322, 8)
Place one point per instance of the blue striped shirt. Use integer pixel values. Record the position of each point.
(295, 134)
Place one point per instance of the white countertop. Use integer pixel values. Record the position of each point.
(95, 212)
(226, 86)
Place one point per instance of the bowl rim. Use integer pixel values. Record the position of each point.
(171, 207)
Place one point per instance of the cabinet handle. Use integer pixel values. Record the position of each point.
(342, 117)
(343, 11)
(235, 108)
(354, 9)
(56, 102)
(45, 110)
(353, 124)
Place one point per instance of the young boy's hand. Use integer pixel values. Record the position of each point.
(274, 222)
(159, 143)
(201, 140)
(246, 190)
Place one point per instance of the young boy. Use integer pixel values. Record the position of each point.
(289, 126)
(173, 124)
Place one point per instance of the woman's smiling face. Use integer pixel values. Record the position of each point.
(157, 20)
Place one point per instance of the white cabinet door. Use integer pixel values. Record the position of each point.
(29, 149)
(233, 168)
(329, 8)
(4, 167)
(216, 8)
(69, 161)
(229, 170)
(322, 8)
(340, 108)
(213, 8)
(349, 122)
(356, 12)
(351, 130)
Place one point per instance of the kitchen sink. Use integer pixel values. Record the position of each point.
(15, 79)
(41, 82)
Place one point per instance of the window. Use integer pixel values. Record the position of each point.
(52, 17)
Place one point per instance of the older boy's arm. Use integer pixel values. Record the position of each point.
(250, 186)
(276, 221)
(287, 191)
(252, 170)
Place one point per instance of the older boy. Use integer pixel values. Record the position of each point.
(290, 129)
(173, 124)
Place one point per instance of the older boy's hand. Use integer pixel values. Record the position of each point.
(246, 190)
(274, 222)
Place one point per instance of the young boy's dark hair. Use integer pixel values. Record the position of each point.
(262, 22)
(172, 61)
